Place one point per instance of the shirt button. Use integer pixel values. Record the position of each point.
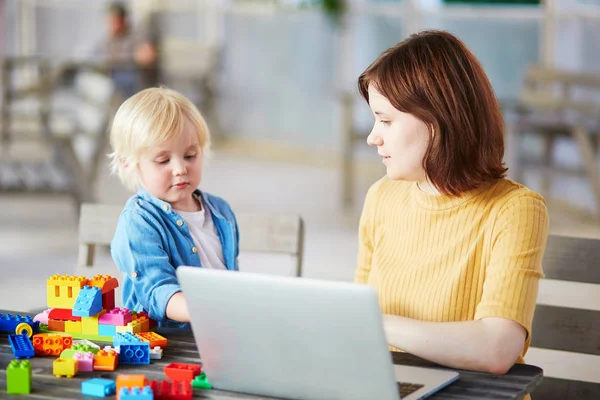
(134, 274)
(166, 207)
(194, 249)
(179, 223)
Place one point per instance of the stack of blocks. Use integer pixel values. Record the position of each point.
(85, 308)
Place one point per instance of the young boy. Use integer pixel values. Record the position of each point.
(159, 141)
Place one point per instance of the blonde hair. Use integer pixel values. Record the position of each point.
(147, 118)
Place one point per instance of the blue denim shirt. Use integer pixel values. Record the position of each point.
(152, 240)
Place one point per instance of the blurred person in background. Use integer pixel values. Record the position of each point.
(453, 248)
(131, 54)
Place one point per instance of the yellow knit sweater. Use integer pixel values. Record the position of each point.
(441, 259)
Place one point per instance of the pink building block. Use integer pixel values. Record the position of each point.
(116, 317)
(85, 361)
(42, 317)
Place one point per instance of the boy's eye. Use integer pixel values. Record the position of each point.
(162, 161)
(190, 157)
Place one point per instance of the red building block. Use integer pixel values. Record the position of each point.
(108, 300)
(63, 314)
(166, 390)
(180, 372)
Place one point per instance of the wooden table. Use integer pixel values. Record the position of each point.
(520, 380)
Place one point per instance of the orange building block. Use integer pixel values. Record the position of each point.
(56, 325)
(154, 338)
(51, 344)
(130, 381)
(64, 367)
(106, 360)
(106, 283)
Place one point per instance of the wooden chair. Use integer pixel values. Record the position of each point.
(568, 329)
(259, 233)
(554, 104)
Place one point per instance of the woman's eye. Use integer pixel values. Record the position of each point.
(190, 157)
(385, 122)
(162, 161)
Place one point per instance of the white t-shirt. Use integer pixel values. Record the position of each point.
(205, 238)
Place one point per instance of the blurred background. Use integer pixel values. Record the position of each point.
(276, 81)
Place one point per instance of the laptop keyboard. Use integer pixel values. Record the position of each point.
(406, 388)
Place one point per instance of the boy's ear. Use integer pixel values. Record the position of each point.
(124, 162)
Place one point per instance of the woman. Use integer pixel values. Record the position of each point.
(453, 248)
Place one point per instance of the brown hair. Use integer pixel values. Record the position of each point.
(433, 76)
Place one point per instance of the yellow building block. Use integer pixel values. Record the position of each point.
(62, 290)
(89, 325)
(64, 367)
(124, 329)
(73, 326)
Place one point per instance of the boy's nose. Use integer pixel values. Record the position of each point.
(179, 168)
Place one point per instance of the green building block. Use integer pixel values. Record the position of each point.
(201, 382)
(78, 348)
(18, 377)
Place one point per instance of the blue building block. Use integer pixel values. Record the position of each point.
(127, 338)
(21, 345)
(89, 302)
(134, 353)
(106, 330)
(9, 323)
(136, 393)
(98, 387)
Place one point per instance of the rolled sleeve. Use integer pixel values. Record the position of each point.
(139, 253)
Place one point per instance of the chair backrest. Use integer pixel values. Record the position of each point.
(553, 90)
(568, 329)
(261, 233)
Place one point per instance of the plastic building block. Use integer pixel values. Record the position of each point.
(18, 324)
(127, 337)
(73, 326)
(106, 360)
(105, 283)
(86, 342)
(49, 344)
(96, 338)
(136, 393)
(130, 381)
(21, 346)
(78, 348)
(108, 300)
(201, 382)
(63, 314)
(85, 361)
(64, 367)
(89, 325)
(18, 377)
(154, 338)
(62, 291)
(98, 387)
(167, 390)
(43, 316)
(156, 353)
(116, 317)
(89, 302)
(108, 348)
(178, 372)
(106, 330)
(124, 329)
(56, 325)
(134, 353)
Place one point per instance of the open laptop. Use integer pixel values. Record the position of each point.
(297, 338)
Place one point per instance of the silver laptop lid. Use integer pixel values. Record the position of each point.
(289, 337)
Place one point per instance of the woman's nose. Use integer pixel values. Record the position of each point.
(374, 139)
